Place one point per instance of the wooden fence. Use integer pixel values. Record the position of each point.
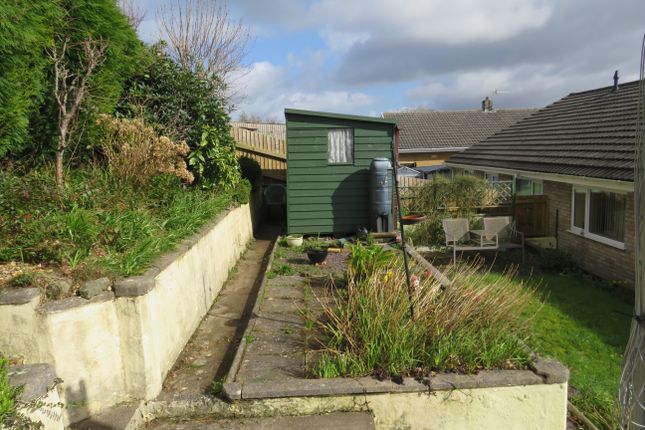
(269, 151)
(531, 214)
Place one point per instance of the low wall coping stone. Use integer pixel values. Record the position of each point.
(296, 387)
(18, 296)
(134, 286)
(552, 371)
(75, 302)
(36, 379)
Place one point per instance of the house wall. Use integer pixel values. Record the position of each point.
(426, 159)
(595, 257)
(324, 198)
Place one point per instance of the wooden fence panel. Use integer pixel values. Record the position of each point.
(269, 151)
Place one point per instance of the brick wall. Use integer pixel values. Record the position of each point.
(595, 257)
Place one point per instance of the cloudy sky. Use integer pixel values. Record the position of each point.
(371, 56)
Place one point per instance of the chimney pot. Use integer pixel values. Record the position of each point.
(487, 105)
(615, 81)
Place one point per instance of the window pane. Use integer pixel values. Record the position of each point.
(607, 214)
(523, 187)
(579, 208)
(538, 188)
(340, 146)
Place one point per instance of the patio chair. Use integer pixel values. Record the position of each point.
(501, 232)
(493, 226)
(456, 230)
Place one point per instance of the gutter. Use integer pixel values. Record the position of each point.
(610, 184)
(426, 150)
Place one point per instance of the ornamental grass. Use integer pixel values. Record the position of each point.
(478, 322)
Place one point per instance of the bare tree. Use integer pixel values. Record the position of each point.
(71, 89)
(202, 37)
(133, 12)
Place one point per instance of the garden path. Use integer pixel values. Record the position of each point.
(208, 355)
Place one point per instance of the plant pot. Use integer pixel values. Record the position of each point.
(294, 240)
(317, 256)
(413, 219)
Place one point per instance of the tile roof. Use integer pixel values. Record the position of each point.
(432, 130)
(590, 133)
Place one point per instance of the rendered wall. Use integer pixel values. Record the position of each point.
(120, 345)
(527, 407)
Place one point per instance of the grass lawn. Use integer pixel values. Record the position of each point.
(585, 325)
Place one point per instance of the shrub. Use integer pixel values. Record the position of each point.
(476, 323)
(28, 110)
(175, 101)
(214, 160)
(441, 198)
(136, 153)
(250, 169)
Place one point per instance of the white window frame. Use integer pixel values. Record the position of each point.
(584, 232)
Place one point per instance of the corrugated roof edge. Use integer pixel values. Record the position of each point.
(289, 111)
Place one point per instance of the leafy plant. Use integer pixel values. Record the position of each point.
(364, 261)
(315, 244)
(214, 160)
(22, 280)
(217, 386)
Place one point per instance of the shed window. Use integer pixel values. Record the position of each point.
(599, 214)
(340, 146)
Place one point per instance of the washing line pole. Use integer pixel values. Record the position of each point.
(400, 218)
(631, 394)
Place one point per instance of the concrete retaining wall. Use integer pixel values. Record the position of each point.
(120, 345)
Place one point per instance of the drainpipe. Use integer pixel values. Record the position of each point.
(395, 159)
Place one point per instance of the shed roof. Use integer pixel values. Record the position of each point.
(429, 131)
(333, 115)
(590, 133)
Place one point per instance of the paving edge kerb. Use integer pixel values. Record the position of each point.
(544, 371)
(230, 386)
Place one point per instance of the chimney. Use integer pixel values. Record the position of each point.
(615, 82)
(487, 105)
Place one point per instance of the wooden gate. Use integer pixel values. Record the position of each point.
(531, 214)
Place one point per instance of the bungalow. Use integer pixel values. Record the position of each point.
(428, 138)
(579, 152)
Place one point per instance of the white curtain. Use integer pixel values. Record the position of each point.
(340, 145)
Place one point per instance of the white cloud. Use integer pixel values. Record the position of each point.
(455, 21)
(266, 90)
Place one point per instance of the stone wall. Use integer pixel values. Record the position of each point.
(120, 345)
(595, 257)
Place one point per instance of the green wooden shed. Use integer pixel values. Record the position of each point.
(328, 161)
